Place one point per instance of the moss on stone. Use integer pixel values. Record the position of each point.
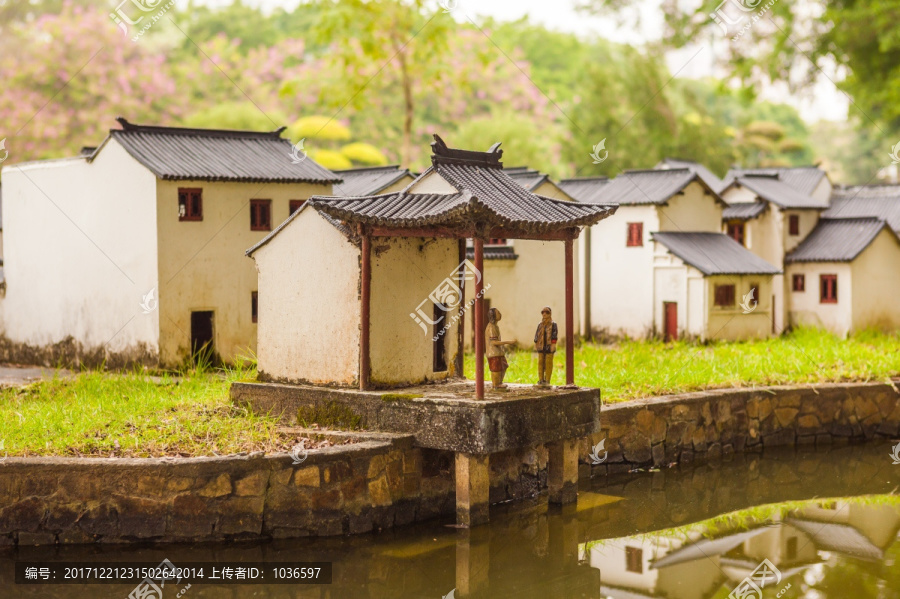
(400, 396)
(329, 414)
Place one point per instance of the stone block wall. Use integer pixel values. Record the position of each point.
(681, 428)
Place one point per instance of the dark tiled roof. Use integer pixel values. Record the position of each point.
(218, 155)
(804, 179)
(772, 189)
(654, 186)
(585, 189)
(879, 201)
(715, 183)
(369, 180)
(837, 240)
(484, 194)
(527, 178)
(494, 252)
(715, 254)
(743, 210)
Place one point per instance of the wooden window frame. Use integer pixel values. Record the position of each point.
(254, 306)
(634, 235)
(295, 205)
(798, 283)
(721, 294)
(634, 560)
(743, 230)
(255, 205)
(189, 213)
(826, 298)
(793, 225)
(496, 241)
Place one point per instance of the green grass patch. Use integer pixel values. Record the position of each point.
(633, 369)
(133, 415)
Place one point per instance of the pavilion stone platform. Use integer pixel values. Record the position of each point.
(447, 416)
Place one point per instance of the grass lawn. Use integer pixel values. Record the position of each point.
(134, 415)
(633, 369)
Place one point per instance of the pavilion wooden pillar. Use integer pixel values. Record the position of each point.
(365, 293)
(570, 312)
(479, 318)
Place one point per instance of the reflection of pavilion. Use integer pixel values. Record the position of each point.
(694, 567)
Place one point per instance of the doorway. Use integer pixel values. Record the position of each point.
(202, 347)
(670, 311)
(439, 349)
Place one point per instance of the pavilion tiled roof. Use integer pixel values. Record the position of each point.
(483, 195)
(178, 153)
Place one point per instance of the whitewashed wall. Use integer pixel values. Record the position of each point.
(80, 252)
(308, 328)
(804, 307)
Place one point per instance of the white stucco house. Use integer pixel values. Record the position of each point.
(843, 276)
(770, 212)
(133, 251)
(663, 267)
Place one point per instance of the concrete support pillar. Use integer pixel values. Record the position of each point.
(562, 472)
(472, 489)
(473, 561)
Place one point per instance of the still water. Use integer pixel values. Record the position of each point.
(785, 524)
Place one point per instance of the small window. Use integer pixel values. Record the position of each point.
(736, 232)
(190, 204)
(799, 282)
(296, 205)
(791, 549)
(635, 235)
(828, 289)
(496, 241)
(725, 296)
(254, 306)
(260, 215)
(754, 287)
(634, 560)
(794, 224)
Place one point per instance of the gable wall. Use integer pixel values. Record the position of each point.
(876, 284)
(805, 309)
(693, 211)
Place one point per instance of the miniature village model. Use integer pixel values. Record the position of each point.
(362, 308)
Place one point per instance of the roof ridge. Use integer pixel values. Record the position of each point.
(368, 168)
(233, 133)
(657, 170)
(849, 218)
(593, 178)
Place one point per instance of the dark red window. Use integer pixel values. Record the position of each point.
(635, 235)
(724, 296)
(190, 204)
(736, 232)
(260, 215)
(794, 224)
(799, 282)
(496, 241)
(828, 289)
(634, 559)
(254, 306)
(295, 205)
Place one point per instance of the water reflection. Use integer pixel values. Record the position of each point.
(827, 522)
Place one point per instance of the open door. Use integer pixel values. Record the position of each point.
(670, 310)
(202, 347)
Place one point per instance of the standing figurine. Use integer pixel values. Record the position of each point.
(545, 345)
(495, 355)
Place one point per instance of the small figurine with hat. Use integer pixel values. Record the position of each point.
(496, 356)
(545, 345)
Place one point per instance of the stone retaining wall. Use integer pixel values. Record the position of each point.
(660, 431)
